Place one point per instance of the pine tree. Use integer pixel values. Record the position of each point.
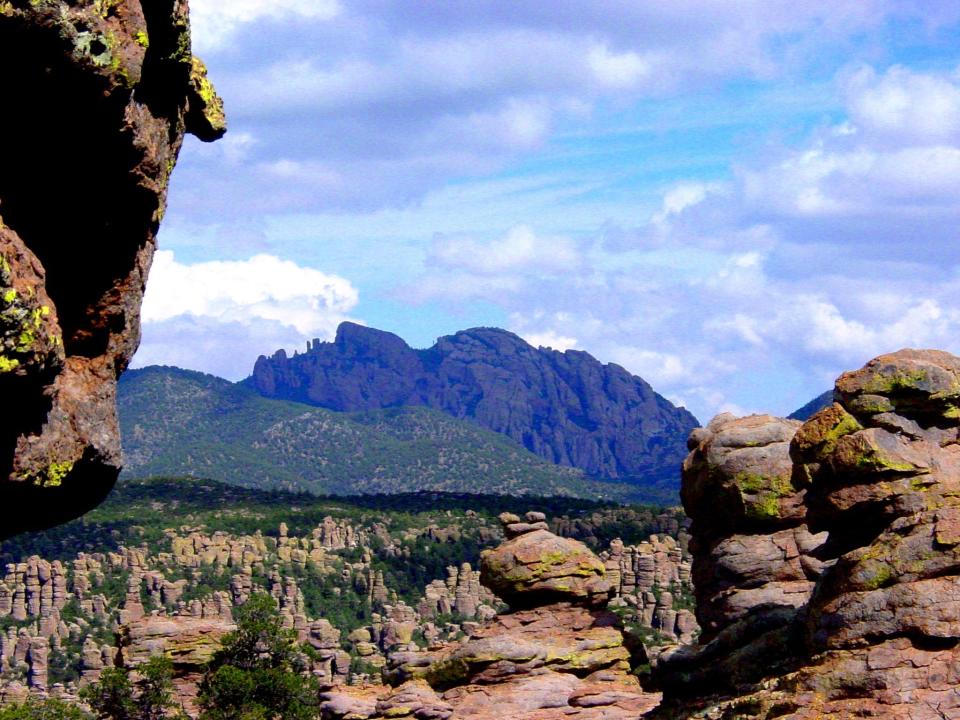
(260, 673)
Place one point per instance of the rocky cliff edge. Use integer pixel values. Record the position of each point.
(96, 102)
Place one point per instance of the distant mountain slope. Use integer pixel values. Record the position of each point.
(818, 403)
(186, 423)
(566, 407)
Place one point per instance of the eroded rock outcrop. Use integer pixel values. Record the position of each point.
(96, 103)
(189, 642)
(555, 655)
(870, 626)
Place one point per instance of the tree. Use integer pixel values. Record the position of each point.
(155, 697)
(35, 709)
(114, 696)
(260, 673)
(111, 697)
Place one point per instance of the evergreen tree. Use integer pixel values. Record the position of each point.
(114, 696)
(260, 673)
(35, 709)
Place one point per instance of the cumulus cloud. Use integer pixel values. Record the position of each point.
(228, 312)
(550, 339)
(904, 105)
(813, 254)
(382, 102)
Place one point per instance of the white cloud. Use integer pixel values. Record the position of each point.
(262, 288)
(660, 368)
(904, 104)
(213, 22)
(618, 70)
(520, 249)
(682, 196)
(896, 158)
(550, 339)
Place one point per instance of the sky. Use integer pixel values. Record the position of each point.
(736, 201)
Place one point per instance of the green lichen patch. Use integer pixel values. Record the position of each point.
(50, 476)
(818, 437)
(876, 575)
(897, 381)
(97, 47)
(23, 341)
(206, 118)
(761, 494)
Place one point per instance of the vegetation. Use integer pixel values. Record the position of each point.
(115, 697)
(408, 540)
(260, 672)
(36, 709)
(138, 512)
(180, 422)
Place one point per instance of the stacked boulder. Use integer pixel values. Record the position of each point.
(556, 653)
(828, 578)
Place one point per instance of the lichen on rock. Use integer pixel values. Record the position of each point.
(96, 102)
(554, 656)
(875, 631)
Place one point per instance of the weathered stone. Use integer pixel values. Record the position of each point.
(86, 98)
(878, 635)
(538, 567)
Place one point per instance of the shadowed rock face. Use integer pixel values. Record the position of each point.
(566, 407)
(875, 629)
(97, 97)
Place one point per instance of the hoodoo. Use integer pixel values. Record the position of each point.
(828, 581)
(556, 655)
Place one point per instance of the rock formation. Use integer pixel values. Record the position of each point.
(555, 655)
(189, 642)
(174, 591)
(566, 407)
(95, 107)
(847, 603)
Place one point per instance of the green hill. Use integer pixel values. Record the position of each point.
(180, 422)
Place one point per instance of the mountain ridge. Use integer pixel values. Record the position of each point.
(566, 407)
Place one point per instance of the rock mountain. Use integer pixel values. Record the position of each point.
(566, 407)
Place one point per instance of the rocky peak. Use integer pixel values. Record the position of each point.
(96, 103)
(564, 406)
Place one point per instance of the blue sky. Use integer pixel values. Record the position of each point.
(735, 200)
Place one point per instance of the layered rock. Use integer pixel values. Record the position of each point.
(95, 107)
(189, 642)
(566, 407)
(554, 655)
(877, 634)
